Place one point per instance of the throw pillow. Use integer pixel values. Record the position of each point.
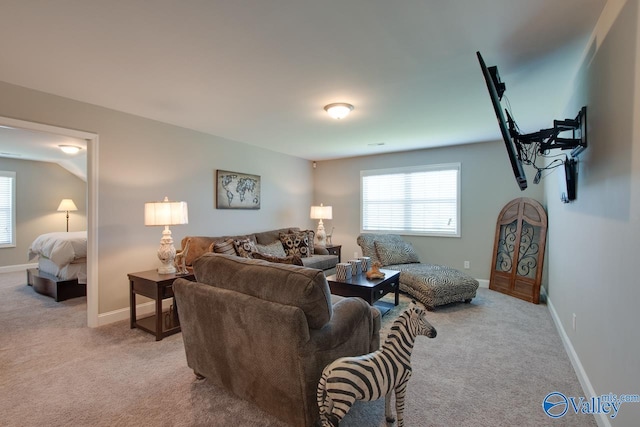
(224, 247)
(296, 243)
(291, 259)
(244, 247)
(311, 235)
(396, 253)
(273, 249)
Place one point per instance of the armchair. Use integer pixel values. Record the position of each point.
(265, 331)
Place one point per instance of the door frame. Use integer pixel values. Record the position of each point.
(92, 204)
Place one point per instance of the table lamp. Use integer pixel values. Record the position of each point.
(166, 213)
(67, 205)
(321, 212)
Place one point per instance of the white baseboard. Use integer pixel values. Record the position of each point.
(587, 388)
(144, 309)
(484, 283)
(14, 268)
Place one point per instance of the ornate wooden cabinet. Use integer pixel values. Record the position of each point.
(518, 251)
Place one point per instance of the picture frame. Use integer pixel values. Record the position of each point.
(237, 190)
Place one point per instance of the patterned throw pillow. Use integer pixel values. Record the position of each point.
(244, 247)
(225, 247)
(274, 249)
(311, 236)
(296, 243)
(396, 253)
(291, 259)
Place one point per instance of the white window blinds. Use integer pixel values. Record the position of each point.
(415, 200)
(7, 209)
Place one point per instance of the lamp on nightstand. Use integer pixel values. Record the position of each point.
(321, 212)
(166, 213)
(67, 205)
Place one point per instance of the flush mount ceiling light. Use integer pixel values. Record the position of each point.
(69, 149)
(338, 110)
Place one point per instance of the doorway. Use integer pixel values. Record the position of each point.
(92, 203)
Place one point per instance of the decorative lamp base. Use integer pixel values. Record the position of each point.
(166, 253)
(321, 235)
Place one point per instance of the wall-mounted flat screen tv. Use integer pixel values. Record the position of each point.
(496, 88)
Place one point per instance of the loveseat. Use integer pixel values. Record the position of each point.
(300, 242)
(432, 284)
(265, 331)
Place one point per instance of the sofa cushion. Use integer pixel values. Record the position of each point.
(390, 253)
(291, 259)
(296, 243)
(322, 262)
(274, 249)
(266, 237)
(301, 287)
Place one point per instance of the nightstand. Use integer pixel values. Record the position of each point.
(158, 287)
(335, 250)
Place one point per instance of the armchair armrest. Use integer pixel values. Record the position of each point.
(353, 324)
(320, 250)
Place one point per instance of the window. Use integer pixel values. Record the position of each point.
(7, 209)
(422, 200)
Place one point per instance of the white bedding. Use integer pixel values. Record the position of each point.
(75, 270)
(61, 248)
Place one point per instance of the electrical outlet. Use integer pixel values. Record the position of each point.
(574, 321)
(466, 265)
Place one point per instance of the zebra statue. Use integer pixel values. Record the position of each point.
(373, 375)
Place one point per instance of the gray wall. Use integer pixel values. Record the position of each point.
(594, 242)
(487, 184)
(142, 160)
(40, 187)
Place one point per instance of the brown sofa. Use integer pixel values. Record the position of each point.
(199, 245)
(265, 331)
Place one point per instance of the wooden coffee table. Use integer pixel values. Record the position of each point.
(369, 290)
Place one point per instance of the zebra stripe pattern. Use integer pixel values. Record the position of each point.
(374, 375)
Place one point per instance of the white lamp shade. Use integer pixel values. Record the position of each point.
(67, 205)
(321, 212)
(166, 213)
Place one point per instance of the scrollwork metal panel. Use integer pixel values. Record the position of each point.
(506, 247)
(529, 250)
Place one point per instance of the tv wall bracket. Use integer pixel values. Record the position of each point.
(549, 139)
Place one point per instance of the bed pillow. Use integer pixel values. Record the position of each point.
(396, 253)
(274, 249)
(296, 243)
(244, 247)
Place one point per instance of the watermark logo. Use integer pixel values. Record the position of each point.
(556, 404)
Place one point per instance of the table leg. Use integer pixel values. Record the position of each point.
(397, 296)
(132, 304)
(158, 317)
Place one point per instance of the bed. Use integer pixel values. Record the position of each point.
(62, 265)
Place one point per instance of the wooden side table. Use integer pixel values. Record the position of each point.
(158, 287)
(335, 250)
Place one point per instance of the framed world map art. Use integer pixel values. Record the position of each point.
(235, 190)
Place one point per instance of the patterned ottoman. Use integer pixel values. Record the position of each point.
(431, 284)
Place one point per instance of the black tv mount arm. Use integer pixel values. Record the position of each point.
(549, 139)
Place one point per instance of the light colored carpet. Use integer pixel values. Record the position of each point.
(491, 364)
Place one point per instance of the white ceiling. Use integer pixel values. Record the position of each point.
(260, 72)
